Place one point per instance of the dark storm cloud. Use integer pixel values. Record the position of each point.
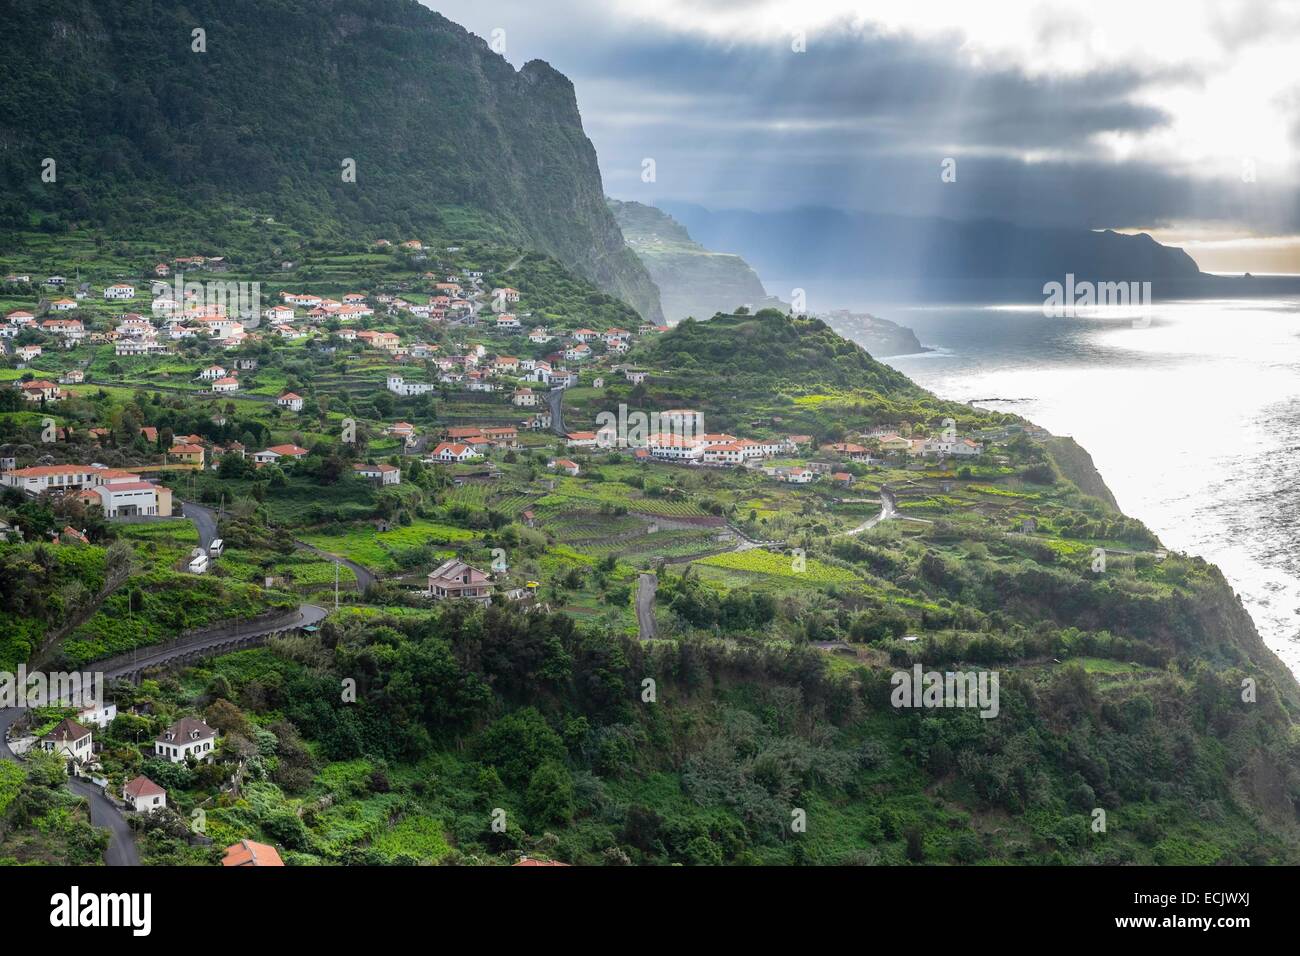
(863, 121)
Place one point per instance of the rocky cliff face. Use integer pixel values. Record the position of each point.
(692, 280)
(259, 116)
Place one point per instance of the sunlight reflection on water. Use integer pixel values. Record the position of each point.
(1193, 422)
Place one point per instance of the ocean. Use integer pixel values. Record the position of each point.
(1193, 422)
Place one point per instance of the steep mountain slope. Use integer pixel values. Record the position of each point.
(149, 123)
(697, 282)
(840, 244)
(693, 281)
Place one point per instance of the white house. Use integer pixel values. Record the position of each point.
(725, 453)
(143, 795)
(797, 476)
(212, 373)
(69, 739)
(188, 737)
(384, 474)
(276, 452)
(675, 447)
(399, 386)
(454, 451)
(97, 715)
(41, 478)
(227, 384)
(525, 398)
(124, 499)
(291, 401)
(119, 292)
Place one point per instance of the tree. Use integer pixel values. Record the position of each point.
(519, 743)
(549, 798)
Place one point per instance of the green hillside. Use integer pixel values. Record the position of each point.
(206, 147)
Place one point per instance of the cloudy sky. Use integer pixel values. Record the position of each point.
(1177, 118)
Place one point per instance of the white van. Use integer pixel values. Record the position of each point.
(216, 547)
(198, 562)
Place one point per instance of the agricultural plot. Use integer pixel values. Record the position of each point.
(759, 561)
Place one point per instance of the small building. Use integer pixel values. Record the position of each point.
(454, 451)
(384, 474)
(565, 465)
(273, 454)
(142, 795)
(186, 454)
(456, 580)
(70, 739)
(250, 853)
(291, 401)
(129, 499)
(97, 715)
(188, 737)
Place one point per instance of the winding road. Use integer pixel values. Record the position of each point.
(103, 811)
(365, 577)
(205, 519)
(888, 509)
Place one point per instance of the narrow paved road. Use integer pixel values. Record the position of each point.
(645, 605)
(888, 509)
(124, 664)
(204, 518)
(555, 399)
(365, 577)
(104, 813)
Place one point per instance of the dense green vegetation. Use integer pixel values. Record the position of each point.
(406, 731)
(211, 149)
